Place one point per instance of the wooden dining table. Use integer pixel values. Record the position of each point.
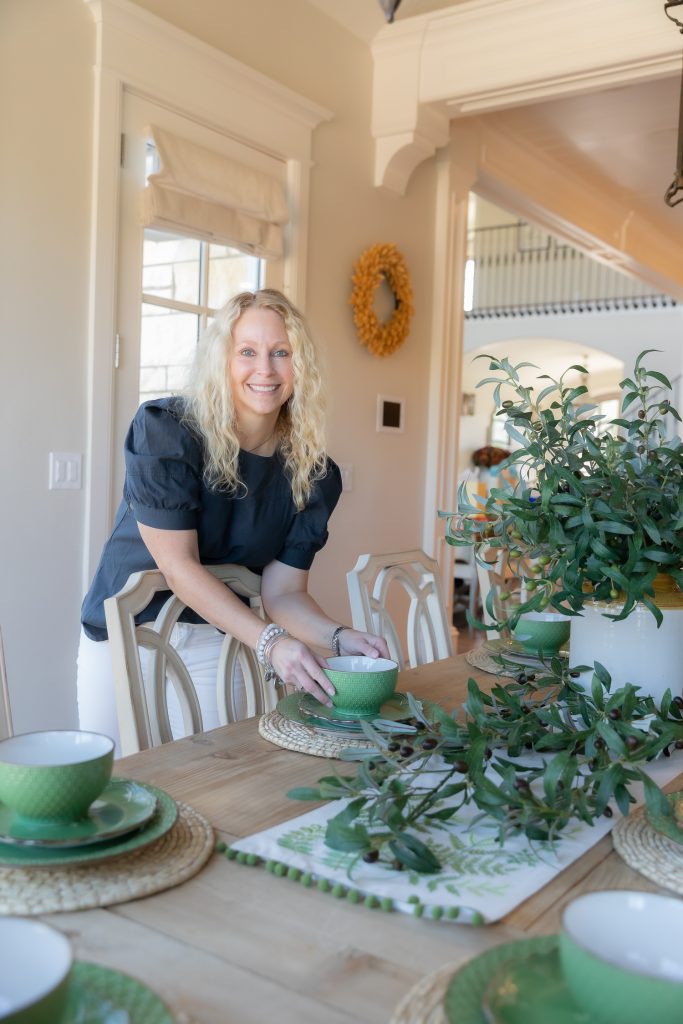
(236, 944)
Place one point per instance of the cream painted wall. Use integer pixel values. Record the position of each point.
(46, 156)
(46, 84)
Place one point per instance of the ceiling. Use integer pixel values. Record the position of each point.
(626, 135)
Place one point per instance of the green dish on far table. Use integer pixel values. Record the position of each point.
(98, 995)
(306, 710)
(39, 856)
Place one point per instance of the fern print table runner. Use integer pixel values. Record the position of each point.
(480, 881)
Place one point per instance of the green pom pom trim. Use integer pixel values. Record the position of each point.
(437, 913)
(241, 858)
(418, 910)
(252, 860)
(294, 874)
(477, 918)
(230, 853)
(338, 890)
(386, 903)
(452, 913)
(280, 870)
(306, 878)
(413, 898)
(221, 847)
(371, 901)
(353, 896)
(270, 865)
(324, 885)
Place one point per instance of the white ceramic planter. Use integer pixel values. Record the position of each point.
(633, 650)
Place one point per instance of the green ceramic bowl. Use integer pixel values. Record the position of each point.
(622, 956)
(54, 776)
(361, 684)
(543, 632)
(35, 963)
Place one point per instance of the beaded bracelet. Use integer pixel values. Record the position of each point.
(269, 632)
(335, 640)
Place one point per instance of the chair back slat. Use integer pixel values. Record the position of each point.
(371, 583)
(142, 683)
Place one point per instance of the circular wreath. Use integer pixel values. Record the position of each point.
(382, 260)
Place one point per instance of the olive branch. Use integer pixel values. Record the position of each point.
(590, 750)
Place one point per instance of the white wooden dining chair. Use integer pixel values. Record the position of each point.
(141, 697)
(6, 728)
(370, 585)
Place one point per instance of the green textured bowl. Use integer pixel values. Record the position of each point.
(543, 632)
(54, 776)
(622, 956)
(361, 684)
(35, 964)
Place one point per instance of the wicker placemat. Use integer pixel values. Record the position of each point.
(478, 658)
(170, 860)
(650, 852)
(277, 729)
(424, 1004)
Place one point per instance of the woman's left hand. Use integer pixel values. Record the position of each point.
(352, 641)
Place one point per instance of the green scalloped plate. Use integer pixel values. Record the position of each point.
(463, 1001)
(99, 995)
(123, 807)
(513, 651)
(529, 988)
(162, 820)
(668, 826)
(306, 710)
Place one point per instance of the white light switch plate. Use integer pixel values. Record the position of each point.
(65, 471)
(346, 470)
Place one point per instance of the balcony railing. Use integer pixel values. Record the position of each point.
(520, 270)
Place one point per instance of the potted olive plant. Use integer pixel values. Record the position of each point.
(594, 529)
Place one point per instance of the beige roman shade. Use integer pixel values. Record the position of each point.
(205, 194)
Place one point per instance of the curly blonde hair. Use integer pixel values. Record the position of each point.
(210, 408)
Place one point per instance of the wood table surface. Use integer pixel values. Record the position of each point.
(235, 944)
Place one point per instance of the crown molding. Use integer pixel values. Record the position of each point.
(433, 64)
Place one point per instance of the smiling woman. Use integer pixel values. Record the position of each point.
(233, 470)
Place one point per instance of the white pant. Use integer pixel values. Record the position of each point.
(199, 647)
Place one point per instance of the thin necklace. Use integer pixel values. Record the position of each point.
(250, 451)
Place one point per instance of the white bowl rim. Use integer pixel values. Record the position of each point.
(612, 899)
(341, 664)
(61, 945)
(40, 737)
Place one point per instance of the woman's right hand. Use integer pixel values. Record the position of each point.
(298, 666)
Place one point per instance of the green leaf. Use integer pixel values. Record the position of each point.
(348, 838)
(304, 793)
(414, 854)
(655, 800)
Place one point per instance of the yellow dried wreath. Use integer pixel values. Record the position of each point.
(382, 260)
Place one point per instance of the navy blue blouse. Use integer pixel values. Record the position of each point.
(165, 488)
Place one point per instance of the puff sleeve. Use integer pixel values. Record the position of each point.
(164, 467)
(308, 531)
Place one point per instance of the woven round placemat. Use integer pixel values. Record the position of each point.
(424, 1004)
(170, 860)
(649, 852)
(277, 729)
(478, 658)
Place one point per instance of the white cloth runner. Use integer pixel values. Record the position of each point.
(480, 878)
